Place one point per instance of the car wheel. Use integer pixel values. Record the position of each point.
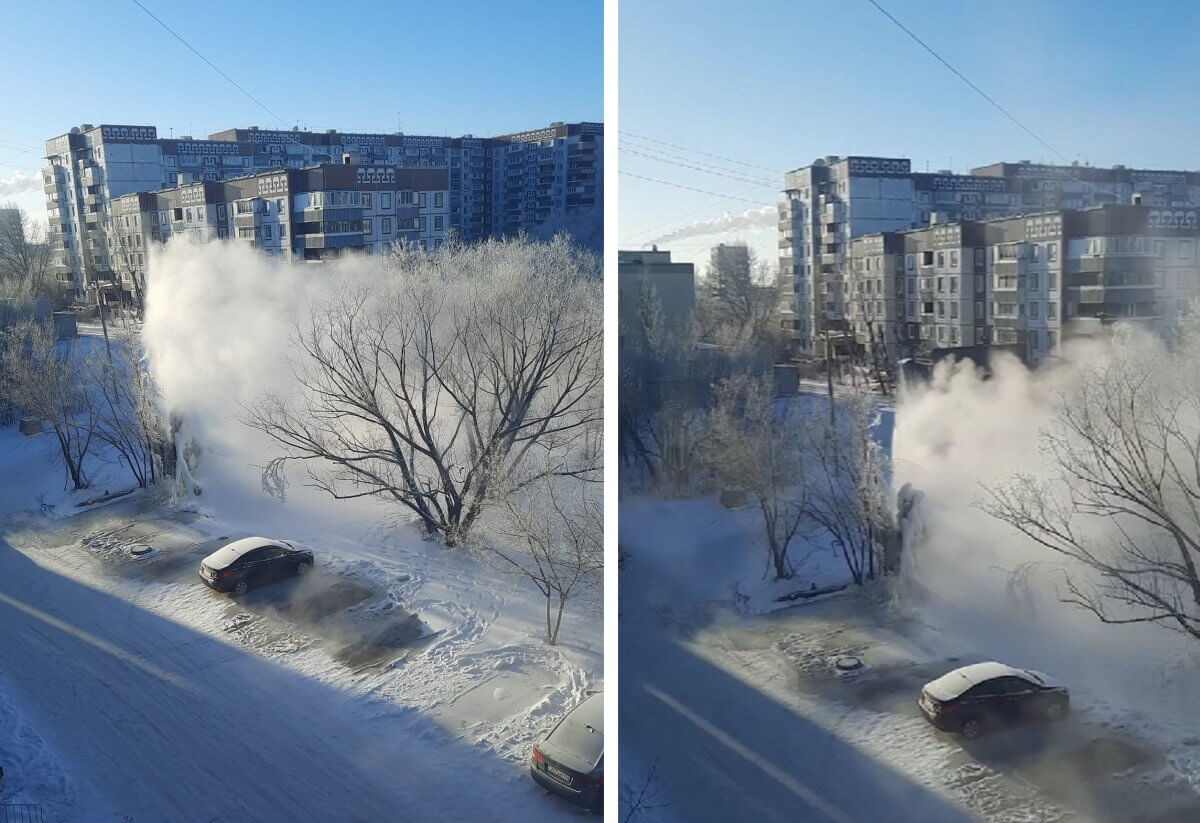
(1056, 710)
(242, 587)
(302, 568)
(971, 729)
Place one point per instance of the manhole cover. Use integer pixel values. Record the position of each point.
(847, 664)
(139, 549)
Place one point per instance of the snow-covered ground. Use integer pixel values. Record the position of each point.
(127, 688)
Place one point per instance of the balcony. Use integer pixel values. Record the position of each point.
(1089, 294)
(1006, 323)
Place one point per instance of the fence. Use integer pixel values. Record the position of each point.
(21, 813)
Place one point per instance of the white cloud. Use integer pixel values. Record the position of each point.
(752, 220)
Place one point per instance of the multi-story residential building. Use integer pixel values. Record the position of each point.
(672, 283)
(496, 186)
(836, 199)
(1024, 283)
(313, 213)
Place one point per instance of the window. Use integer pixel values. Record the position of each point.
(941, 309)
(953, 285)
(1035, 250)
(1033, 311)
(1051, 311)
(437, 222)
(1160, 248)
(385, 199)
(1033, 338)
(369, 248)
(279, 206)
(366, 227)
(282, 230)
(367, 205)
(954, 259)
(941, 259)
(954, 311)
(1051, 280)
(220, 211)
(437, 198)
(941, 285)
(910, 261)
(188, 213)
(421, 199)
(1051, 251)
(1185, 249)
(266, 232)
(1033, 281)
(980, 286)
(385, 225)
(1051, 340)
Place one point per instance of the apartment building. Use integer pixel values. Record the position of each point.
(836, 199)
(672, 283)
(495, 186)
(1025, 283)
(314, 213)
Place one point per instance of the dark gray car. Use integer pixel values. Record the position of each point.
(570, 761)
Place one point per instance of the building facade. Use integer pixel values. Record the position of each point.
(1024, 283)
(837, 199)
(495, 186)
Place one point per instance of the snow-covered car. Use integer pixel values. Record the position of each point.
(252, 561)
(570, 761)
(974, 698)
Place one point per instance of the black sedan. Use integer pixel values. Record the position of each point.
(981, 696)
(253, 561)
(570, 761)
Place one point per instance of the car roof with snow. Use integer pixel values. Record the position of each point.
(580, 735)
(953, 684)
(223, 557)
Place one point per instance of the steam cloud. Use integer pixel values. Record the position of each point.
(749, 220)
(20, 183)
(952, 437)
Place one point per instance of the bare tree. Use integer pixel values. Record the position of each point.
(556, 539)
(846, 489)
(24, 255)
(1121, 498)
(638, 800)
(49, 381)
(127, 406)
(751, 444)
(659, 416)
(436, 386)
(737, 302)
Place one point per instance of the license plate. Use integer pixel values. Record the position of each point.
(558, 774)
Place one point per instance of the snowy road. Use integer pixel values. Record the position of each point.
(724, 750)
(160, 722)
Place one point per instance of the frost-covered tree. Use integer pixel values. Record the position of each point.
(48, 380)
(736, 305)
(555, 539)
(751, 444)
(126, 403)
(24, 255)
(437, 384)
(1120, 500)
(846, 476)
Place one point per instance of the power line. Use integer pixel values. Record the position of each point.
(257, 102)
(704, 153)
(759, 182)
(989, 99)
(690, 188)
(660, 154)
(964, 78)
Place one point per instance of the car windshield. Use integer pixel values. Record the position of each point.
(1037, 678)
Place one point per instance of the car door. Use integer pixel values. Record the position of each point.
(1023, 697)
(275, 563)
(254, 567)
(1012, 697)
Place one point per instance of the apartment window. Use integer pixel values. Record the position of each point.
(421, 199)
(1033, 281)
(912, 308)
(370, 249)
(222, 232)
(437, 222)
(910, 261)
(420, 224)
(244, 206)
(1051, 280)
(406, 198)
(282, 230)
(953, 285)
(1035, 250)
(954, 311)
(1051, 340)
(366, 227)
(954, 259)
(941, 259)
(140, 260)
(941, 309)
(1160, 248)
(220, 211)
(279, 206)
(1051, 251)
(1052, 311)
(978, 309)
(266, 232)
(941, 334)
(1033, 311)
(188, 214)
(941, 285)
(367, 205)
(1185, 249)
(385, 199)
(437, 198)
(1020, 310)
(1033, 339)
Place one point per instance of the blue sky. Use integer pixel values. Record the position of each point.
(777, 83)
(471, 66)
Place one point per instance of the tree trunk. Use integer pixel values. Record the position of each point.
(562, 602)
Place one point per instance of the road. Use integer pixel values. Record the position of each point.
(166, 723)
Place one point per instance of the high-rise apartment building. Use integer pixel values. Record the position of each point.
(1023, 283)
(837, 199)
(494, 187)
